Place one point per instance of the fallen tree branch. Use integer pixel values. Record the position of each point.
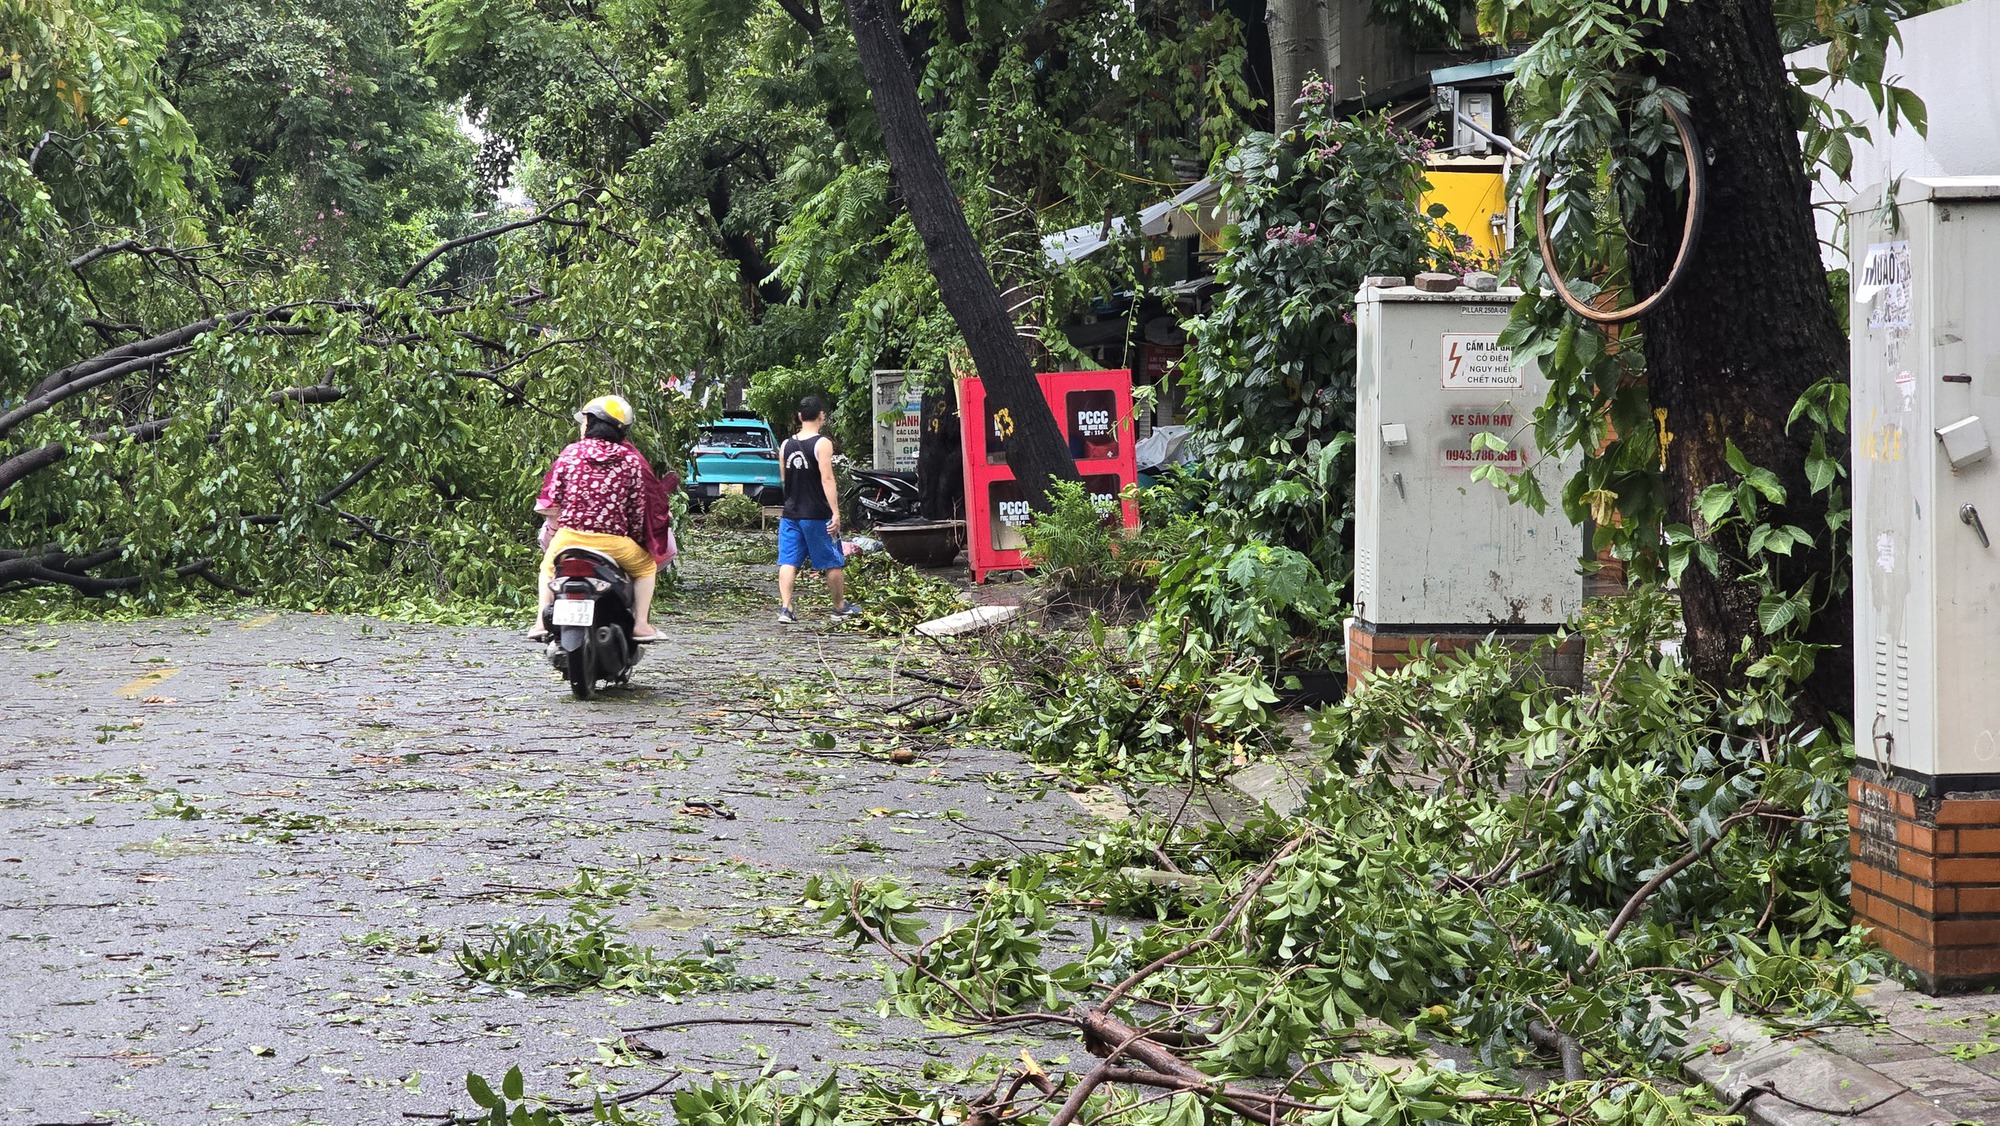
(1749, 811)
(450, 245)
(188, 256)
(22, 465)
(1243, 901)
(876, 936)
(1102, 1031)
(352, 479)
(80, 384)
(152, 345)
(692, 1021)
(90, 584)
(1564, 1045)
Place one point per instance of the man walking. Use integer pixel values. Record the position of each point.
(811, 520)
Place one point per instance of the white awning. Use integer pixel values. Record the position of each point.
(1190, 213)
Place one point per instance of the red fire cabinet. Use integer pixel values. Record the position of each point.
(1093, 409)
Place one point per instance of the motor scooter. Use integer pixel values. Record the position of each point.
(590, 622)
(886, 496)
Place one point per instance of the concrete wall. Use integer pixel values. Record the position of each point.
(1947, 57)
(1365, 57)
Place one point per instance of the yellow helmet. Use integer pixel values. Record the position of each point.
(611, 408)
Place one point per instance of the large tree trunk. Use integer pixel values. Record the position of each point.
(1748, 329)
(1298, 49)
(1035, 451)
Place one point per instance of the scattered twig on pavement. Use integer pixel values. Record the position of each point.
(692, 1021)
(1749, 1093)
(927, 678)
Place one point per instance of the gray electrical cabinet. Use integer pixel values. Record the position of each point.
(1925, 285)
(1433, 547)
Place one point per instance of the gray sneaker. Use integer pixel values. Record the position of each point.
(786, 617)
(849, 610)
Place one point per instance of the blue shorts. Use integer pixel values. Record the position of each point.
(799, 540)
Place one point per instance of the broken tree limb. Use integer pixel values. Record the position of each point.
(352, 479)
(879, 939)
(117, 362)
(79, 385)
(927, 678)
(1102, 1031)
(27, 463)
(151, 346)
(1563, 1045)
(1243, 901)
(450, 245)
(1750, 810)
(36, 572)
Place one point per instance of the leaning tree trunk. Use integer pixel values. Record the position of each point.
(1748, 329)
(1298, 48)
(1035, 450)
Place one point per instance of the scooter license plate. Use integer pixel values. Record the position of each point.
(573, 612)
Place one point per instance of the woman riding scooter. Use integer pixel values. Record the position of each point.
(595, 494)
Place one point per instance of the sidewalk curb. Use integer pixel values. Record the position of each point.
(1801, 1070)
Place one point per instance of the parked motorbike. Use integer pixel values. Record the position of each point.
(590, 621)
(886, 496)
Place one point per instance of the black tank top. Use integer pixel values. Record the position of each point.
(805, 496)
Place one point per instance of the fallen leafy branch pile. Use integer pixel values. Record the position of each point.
(586, 950)
(895, 598)
(1099, 706)
(1487, 860)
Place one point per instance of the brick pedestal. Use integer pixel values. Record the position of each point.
(1372, 648)
(1927, 875)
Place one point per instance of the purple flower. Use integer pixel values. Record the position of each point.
(1303, 234)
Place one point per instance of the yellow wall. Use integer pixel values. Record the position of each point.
(1471, 199)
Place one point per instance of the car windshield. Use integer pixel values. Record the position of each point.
(735, 438)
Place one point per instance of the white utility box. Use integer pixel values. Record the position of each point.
(1432, 547)
(1925, 284)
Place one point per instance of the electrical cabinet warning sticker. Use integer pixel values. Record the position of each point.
(1475, 361)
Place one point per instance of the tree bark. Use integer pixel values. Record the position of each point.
(1298, 48)
(1746, 332)
(1035, 451)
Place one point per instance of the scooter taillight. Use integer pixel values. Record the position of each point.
(576, 568)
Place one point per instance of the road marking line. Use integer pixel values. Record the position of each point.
(147, 681)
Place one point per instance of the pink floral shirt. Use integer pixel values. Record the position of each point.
(600, 487)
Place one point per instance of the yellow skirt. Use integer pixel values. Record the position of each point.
(637, 561)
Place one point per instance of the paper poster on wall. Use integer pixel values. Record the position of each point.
(899, 404)
(1885, 282)
(1475, 361)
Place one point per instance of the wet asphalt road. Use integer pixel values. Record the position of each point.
(237, 856)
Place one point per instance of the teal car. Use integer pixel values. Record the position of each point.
(735, 454)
